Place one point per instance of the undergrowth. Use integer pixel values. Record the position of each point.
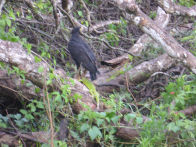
(165, 126)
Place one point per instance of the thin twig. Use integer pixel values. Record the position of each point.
(127, 85)
(107, 44)
(49, 113)
(33, 9)
(73, 21)
(55, 13)
(3, 86)
(1, 5)
(87, 11)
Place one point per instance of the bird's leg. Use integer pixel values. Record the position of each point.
(78, 73)
(84, 73)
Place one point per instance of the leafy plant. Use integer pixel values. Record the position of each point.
(171, 127)
(191, 40)
(187, 3)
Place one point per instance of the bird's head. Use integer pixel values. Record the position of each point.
(76, 30)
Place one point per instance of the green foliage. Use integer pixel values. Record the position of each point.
(115, 100)
(80, 13)
(57, 143)
(43, 6)
(3, 121)
(94, 125)
(7, 29)
(18, 72)
(187, 3)
(94, 132)
(34, 111)
(112, 36)
(190, 39)
(183, 92)
(92, 89)
(153, 51)
(16, 118)
(153, 14)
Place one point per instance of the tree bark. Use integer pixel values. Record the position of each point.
(169, 44)
(15, 55)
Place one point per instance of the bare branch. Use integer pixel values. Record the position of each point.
(55, 13)
(14, 54)
(30, 4)
(137, 74)
(163, 19)
(73, 21)
(67, 5)
(103, 24)
(1, 5)
(170, 7)
(169, 44)
(87, 11)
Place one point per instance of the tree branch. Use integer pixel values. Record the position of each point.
(169, 44)
(170, 7)
(14, 54)
(163, 19)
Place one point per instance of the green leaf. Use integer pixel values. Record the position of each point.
(28, 46)
(86, 23)
(173, 127)
(92, 89)
(2, 125)
(37, 89)
(80, 13)
(17, 116)
(37, 59)
(11, 14)
(130, 57)
(40, 69)
(100, 122)
(111, 114)
(8, 21)
(84, 127)
(74, 135)
(40, 105)
(139, 120)
(94, 132)
(115, 119)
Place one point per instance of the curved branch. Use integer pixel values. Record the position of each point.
(163, 19)
(170, 7)
(137, 74)
(169, 44)
(14, 54)
(55, 13)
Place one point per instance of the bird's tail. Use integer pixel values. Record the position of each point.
(93, 76)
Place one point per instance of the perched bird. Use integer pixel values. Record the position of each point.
(82, 54)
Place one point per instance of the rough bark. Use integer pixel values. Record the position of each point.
(15, 55)
(11, 86)
(162, 19)
(169, 44)
(136, 74)
(170, 7)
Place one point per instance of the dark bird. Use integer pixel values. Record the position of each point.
(82, 54)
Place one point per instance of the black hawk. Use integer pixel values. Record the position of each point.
(82, 54)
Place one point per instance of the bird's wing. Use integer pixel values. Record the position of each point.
(88, 51)
(79, 52)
